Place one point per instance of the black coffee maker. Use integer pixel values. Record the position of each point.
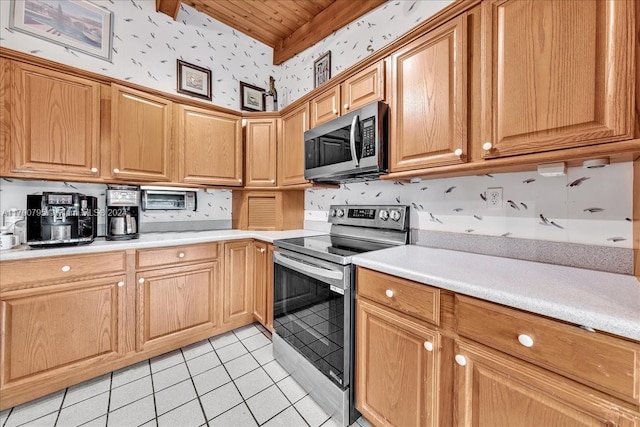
(123, 205)
(58, 219)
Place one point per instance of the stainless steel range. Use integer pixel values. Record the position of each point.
(314, 300)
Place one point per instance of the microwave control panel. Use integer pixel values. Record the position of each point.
(368, 137)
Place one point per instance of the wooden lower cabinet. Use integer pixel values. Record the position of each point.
(263, 282)
(177, 304)
(396, 369)
(238, 288)
(54, 334)
(496, 390)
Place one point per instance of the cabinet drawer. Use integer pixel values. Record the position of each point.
(403, 295)
(48, 270)
(600, 361)
(146, 258)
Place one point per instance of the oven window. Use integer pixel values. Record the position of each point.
(310, 317)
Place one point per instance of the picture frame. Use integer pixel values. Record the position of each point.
(75, 24)
(322, 69)
(193, 80)
(251, 97)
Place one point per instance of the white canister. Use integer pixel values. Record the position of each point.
(12, 220)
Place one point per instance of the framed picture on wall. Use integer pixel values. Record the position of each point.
(75, 24)
(251, 97)
(194, 80)
(322, 69)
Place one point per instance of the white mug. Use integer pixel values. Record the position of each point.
(7, 241)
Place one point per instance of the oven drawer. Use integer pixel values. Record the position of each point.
(600, 361)
(409, 297)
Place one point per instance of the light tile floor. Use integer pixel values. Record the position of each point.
(230, 380)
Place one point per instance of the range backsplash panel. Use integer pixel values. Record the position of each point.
(214, 206)
(587, 206)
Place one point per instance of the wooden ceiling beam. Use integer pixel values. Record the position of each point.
(334, 17)
(168, 7)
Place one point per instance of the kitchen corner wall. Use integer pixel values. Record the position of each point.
(213, 211)
(587, 206)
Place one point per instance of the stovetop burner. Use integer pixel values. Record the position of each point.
(354, 230)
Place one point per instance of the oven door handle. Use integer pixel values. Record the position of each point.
(352, 141)
(306, 268)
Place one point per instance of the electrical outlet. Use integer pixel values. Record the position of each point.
(494, 197)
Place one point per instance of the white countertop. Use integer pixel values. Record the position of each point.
(603, 301)
(150, 240)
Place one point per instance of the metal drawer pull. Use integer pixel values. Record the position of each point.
(428, 345)
(389, 293)
(525, 340)
(65, 268)
(181, 255)
(141, 280)
(120, 284)
(461, 360)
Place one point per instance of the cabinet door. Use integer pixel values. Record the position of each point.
(55, 123)
(325, 106)
(176, 305)
(429, 103)
(396, 373)
(261, 146)
(365, 87)
(140, 135)
(238, 288)
(260, 282)
(209, 147)
(291, 146)
(556, 74)
(494, 390)
(61, 329)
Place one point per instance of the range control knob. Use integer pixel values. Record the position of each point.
(332, 212)
(340, 213)
(383, 215)
(395, 215)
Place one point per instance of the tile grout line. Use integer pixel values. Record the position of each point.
(193, 383)
(66, 390)
(109, 401)
(153, 392)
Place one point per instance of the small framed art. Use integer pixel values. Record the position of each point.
(194, 80)
(322, 69)
(251, 97)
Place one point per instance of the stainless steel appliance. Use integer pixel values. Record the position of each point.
(154, 198)
(57, 219)
(352, 147)
(123, 205)
(314, 300)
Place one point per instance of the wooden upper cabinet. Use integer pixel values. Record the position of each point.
(140, 135)
(428, 100)
(260, 152)
(325, 106)
(291, 146)
(55, 123)
(557, 74)
(358, 90)
(209, 147)
(363, 88)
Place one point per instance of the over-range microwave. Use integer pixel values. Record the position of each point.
(349, 148)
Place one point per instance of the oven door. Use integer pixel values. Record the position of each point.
(313, 311)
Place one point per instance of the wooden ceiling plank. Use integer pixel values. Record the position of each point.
(168, 7)
(226, 13)
(313, 6)
(295, 12)
(337, 15)
(267, 17)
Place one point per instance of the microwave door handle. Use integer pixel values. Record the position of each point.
(352, 141)
(305, 268)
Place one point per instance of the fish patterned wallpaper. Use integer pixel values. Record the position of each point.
(353, 43)
(588, 206)
(212, 204)
(146, 45)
